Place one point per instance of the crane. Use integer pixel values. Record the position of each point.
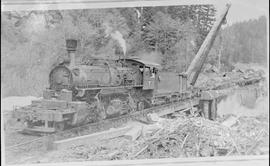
(197, 63)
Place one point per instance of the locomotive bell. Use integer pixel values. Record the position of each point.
(71, 45)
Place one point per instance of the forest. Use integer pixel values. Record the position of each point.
(32, 41)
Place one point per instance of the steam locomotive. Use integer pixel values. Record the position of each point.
(94, 90)
(124, 82)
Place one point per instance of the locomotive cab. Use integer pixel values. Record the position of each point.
(149, 72)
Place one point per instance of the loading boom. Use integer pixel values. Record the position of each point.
(196, 65)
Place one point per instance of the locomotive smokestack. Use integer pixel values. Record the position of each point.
(71, 45)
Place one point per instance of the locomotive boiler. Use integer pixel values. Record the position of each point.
(93, 73)
(122, 81)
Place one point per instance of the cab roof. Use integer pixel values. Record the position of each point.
(143, 62)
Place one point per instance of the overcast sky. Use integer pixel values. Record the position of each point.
(242, 10)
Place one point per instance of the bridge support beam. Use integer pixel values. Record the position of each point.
(208, 104)
(209, 108)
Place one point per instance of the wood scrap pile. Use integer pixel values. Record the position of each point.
(187, 137)
(196, 136)
(251, 135)
(180, 137)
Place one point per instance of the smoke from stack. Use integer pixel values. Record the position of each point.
(119, 37)
(116, 35)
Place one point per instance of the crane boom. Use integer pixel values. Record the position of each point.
(196, 65)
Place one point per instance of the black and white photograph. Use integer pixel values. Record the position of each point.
(135, 82)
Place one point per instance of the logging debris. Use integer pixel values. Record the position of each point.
(180, 137)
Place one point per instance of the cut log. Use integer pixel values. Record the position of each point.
(149, 130)
(154, 117)
(230, 121)
(140, 151)
(134, 133)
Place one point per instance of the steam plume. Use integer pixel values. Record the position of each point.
(116, 35)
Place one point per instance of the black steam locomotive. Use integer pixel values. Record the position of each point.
(94, 90)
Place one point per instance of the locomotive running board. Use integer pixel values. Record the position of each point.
(109, 87)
